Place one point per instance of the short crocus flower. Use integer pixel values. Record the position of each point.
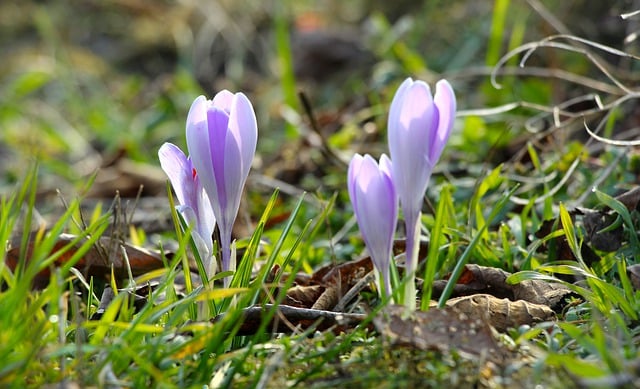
(221, 136)
(194, 205)
(418, 129)
(375, 204)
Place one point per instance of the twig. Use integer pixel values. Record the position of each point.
(354, 291)
(302, 317)
(326, 149)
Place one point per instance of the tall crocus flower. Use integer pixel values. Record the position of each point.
(221, 137)
(418, 129)
(375, 204)
(194, 205)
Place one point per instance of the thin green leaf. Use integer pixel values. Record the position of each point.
(466, 255)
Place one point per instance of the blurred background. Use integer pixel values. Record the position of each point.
(98, 86)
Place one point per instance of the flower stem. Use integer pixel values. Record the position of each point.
(412, 223)
(383, 283)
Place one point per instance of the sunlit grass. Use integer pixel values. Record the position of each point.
(72, 117)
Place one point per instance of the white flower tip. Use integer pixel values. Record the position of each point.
(223, 100)
(445, 95)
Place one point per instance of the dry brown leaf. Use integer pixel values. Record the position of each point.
(553, 295)
(442, 330)
(302, 296)
(97, 261)
(328, 299)
(476, 279)
(502, 314)
(338, 280)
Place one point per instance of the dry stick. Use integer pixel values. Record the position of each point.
(326, 149)
(354, 291)
(304, 317)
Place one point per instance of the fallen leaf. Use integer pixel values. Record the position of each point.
(442, 330)
(553, 295)
(302, 296)
(338, 280)
(476, 279)
(97, 261)
(502, 314)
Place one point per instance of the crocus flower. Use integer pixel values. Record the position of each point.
(375, 204)
(418, 129)
(221, 137)
(194, 205)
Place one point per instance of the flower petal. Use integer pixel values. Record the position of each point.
(234, 179)
(223, 100)
(396, 105)
(205, 217)
(218, 128)
(386, 166)
(243, 126)
(198, 142)
(197, 113)
(179, 170)
(409, 144)
(221, 137)
(375, 205)
(445, 101)
(204, 243)
(352, 173)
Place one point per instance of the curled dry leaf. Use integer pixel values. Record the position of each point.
(502, 314)
(477, 279)
(553, 295)
(324, 289)
(443, 330)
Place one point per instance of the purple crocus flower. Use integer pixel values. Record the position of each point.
(221, 136)
(375, 204)
(418, 129)
(194, 205)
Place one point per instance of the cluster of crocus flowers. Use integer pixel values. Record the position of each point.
(418, 128)
(221, 138)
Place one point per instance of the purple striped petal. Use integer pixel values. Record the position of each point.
(221, 137)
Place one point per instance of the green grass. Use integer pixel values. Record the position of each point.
(67, 109)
